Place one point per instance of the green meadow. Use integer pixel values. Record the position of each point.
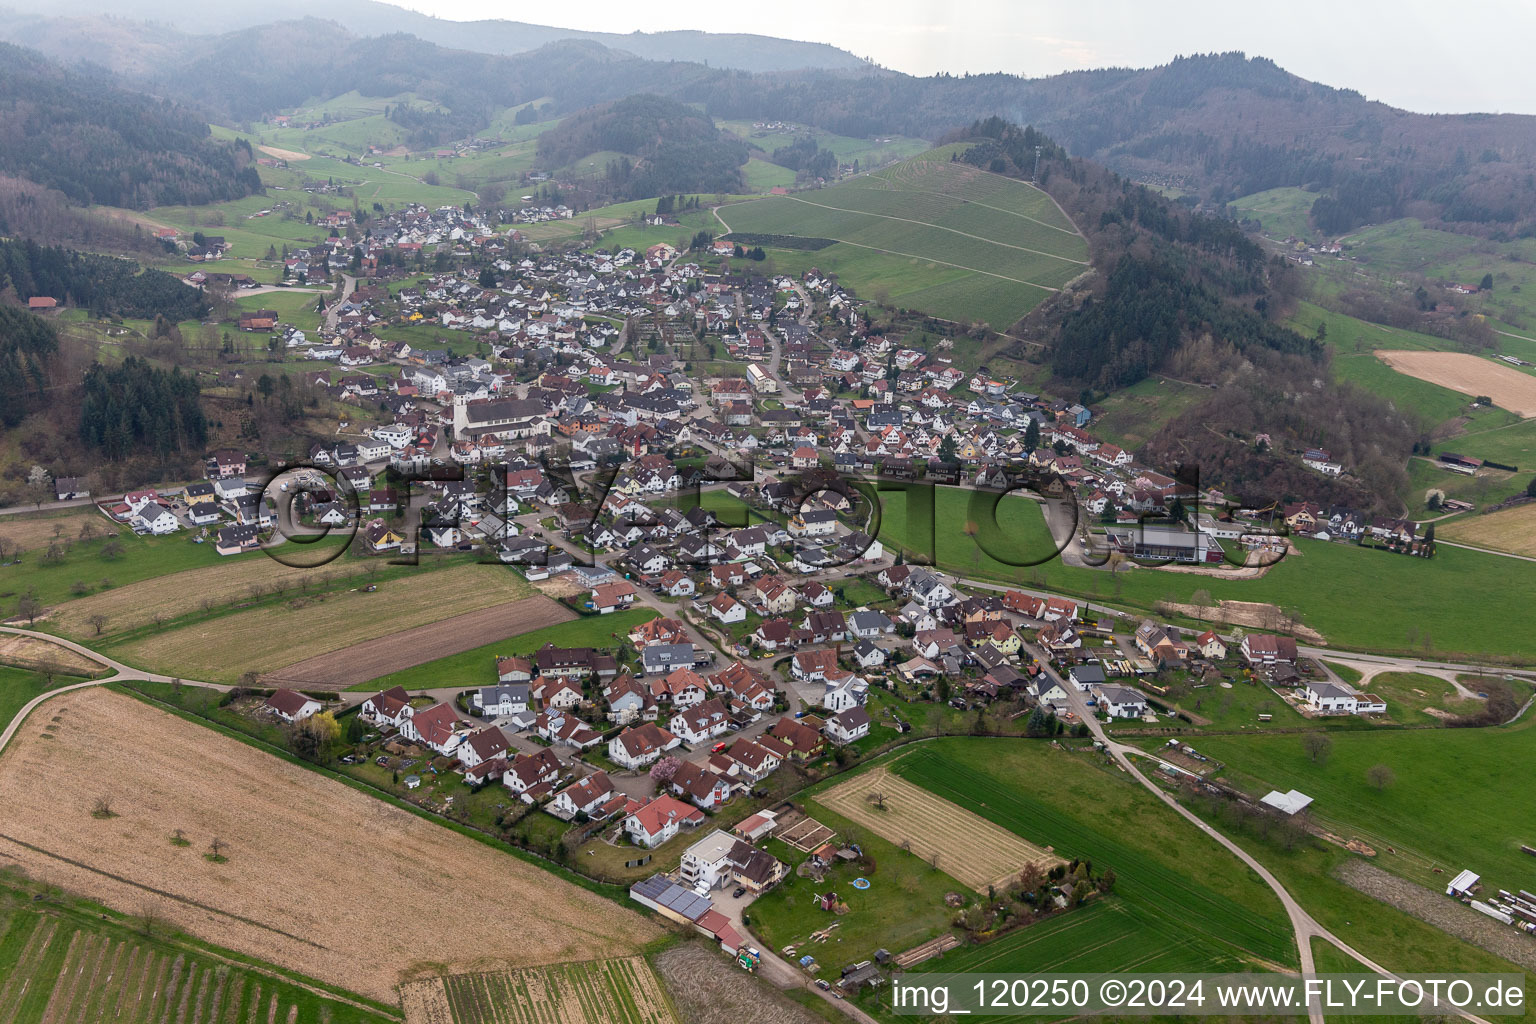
(931, 235)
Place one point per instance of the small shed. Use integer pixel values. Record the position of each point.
(1464, 884)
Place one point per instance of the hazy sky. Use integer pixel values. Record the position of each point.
(1422, 55)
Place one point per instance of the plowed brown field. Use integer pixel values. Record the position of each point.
(319, 877)
(362, 662)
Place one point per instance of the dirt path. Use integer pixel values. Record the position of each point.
(409, 648)
(1440, 911)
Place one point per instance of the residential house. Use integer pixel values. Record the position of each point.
(290, 705)
(660, 820)
(848, 726)
(640, 745)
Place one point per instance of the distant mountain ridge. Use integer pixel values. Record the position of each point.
(747, 52)
(1219, 126)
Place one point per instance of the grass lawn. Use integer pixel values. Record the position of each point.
(1463, 776)
(1239, 707)
(903, 906)
(18, 685)
(1409, 694)
(478, 667)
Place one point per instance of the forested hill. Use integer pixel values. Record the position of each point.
(1190, 295)
(97, 143)
(674, 147)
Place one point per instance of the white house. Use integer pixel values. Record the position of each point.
(844, 691)
(1120, 701)
(387, 708)
(727, 609)
(481, 746)
(154, 518)
(640, 745)
(660, 820)
(436, 727)
(701, 723)
(495, 701)
(847, 726)
(706, 864)
(290, 706)
(585, 796)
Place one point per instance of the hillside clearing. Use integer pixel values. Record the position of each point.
(265, 639)
(278, 821)
(1471, 375)
(412, 647)
(967, 846)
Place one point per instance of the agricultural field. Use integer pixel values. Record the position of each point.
(277, 820)
(1181, 890)
(163, 598)
(623, 991)
(34, 532)
(1510, 529)
(477, 667)
(967, 847)
(33, 652)
(61, 963)
(932, 235)
(1470, 375)
(409, 648)
(264, 639)
(1353, 344)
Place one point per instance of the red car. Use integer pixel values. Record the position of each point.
(717, 748)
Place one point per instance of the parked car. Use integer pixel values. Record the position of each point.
(824, 984)
(717, 747)
(741, 891)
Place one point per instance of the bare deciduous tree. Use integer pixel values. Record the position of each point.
(97, 621)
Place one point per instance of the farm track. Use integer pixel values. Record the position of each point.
(421, 644)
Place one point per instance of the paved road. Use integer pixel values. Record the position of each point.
(333, 311)
(120, 673)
